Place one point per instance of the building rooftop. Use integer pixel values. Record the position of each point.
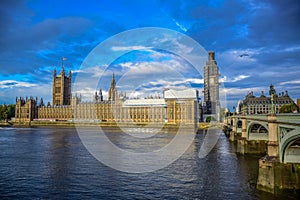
(144, 102)
(181, 94)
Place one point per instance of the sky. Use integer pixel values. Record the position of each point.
(149, 46)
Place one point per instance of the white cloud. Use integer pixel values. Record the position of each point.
(241, 91)
(94, 71)
(88, 93)
(180, 26)
(178, 82)
(23, 89)
(292, 48)
(13, 83)
(290, 82)
(238, 57)
(166, 67)
(129, 48)
(240, 77)
(183, 48)
(234, 79)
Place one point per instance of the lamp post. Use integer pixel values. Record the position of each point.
(272, 105)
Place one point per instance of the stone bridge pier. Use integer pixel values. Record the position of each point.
(275, 176)
(247, 144)
(233, 131)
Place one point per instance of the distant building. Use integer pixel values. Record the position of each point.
(263, 104)
(211, 104)
(177, 107)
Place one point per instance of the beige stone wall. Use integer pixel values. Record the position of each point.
(61, 113)
(176, 112)
(183, 111)
(26, 111)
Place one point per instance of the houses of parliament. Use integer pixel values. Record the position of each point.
(176, 107)
(116, 108)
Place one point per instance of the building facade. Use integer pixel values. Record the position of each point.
(26, 109)
(263, 104)
(177, 107)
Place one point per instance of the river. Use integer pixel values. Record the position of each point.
(52, 163)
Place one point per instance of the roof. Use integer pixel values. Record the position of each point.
(144, 102)
(181, 94)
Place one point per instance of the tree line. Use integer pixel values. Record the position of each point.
(7, 111)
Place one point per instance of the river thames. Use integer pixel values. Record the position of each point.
(52, 163)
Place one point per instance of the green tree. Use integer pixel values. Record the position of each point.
(7, 111)
(289, 108)
(209, 119)
(11, 110)
(4, 112)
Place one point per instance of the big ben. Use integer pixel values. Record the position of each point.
(211, 85)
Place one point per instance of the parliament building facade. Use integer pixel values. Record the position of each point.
(176, 107)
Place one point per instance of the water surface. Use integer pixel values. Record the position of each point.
(52, 163)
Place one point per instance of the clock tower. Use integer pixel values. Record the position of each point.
(211, 86)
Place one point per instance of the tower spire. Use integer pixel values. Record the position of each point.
(113, 79)
(54, 73)
(112, 90)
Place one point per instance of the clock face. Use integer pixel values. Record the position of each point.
(211, 80)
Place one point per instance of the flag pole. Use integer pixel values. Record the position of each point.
(62, 61)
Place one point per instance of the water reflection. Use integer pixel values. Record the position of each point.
(61, 160)
(48, 163)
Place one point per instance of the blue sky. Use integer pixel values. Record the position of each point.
(35, 35)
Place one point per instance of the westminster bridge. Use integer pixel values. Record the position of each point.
(278, 137)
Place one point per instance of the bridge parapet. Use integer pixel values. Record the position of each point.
(289, 119)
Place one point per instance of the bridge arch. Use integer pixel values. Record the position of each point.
(290, 150)
(257, 131)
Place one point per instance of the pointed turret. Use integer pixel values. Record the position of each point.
(112, 95)
(100, 95)
(113, 79)
(63, 71)
(54, 73)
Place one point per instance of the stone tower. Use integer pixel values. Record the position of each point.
(112, 95)
(61, 89)
(211, 85)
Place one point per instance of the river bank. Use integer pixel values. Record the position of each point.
(201, 126)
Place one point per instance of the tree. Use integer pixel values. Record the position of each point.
(209, 119)
(4, 112)
(7, 111)
(11, 110)
(289, 108)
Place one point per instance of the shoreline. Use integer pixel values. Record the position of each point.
(33, 124)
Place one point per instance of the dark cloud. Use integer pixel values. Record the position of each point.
(21, 37)
(275, 22)
(35, 35)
